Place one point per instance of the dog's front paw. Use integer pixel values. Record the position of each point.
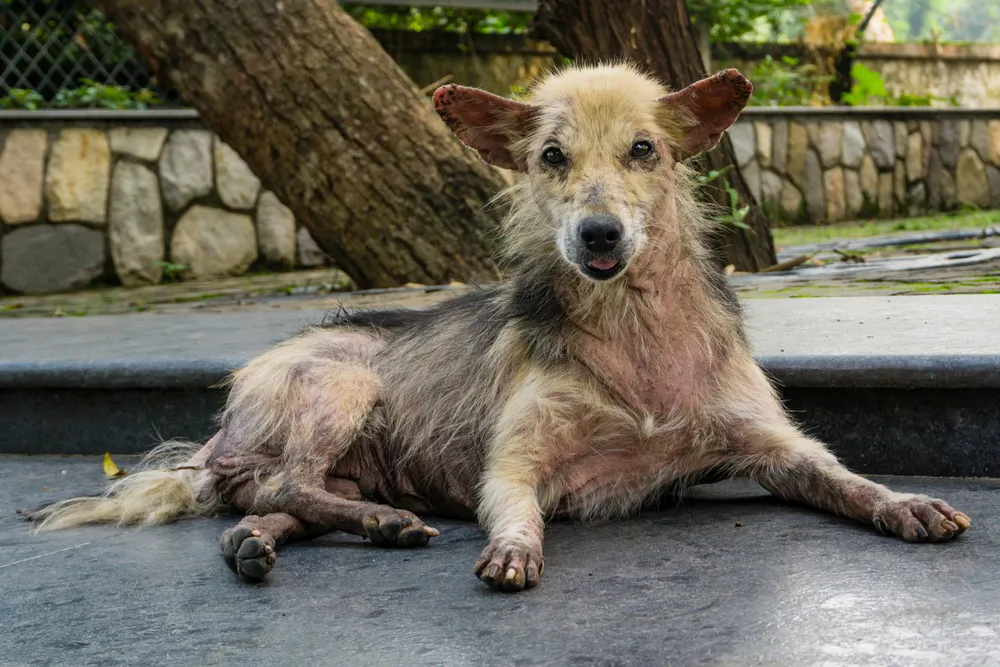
(920, 519)
(509, 566)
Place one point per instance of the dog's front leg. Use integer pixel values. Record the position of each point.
(535, 429)
(800, 469)
(509, 510)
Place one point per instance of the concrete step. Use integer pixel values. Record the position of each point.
(732, 577)
(898, 385)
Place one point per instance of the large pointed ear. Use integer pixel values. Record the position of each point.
(484, 121)
(707, 109)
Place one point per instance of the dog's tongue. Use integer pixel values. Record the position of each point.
(602, 264)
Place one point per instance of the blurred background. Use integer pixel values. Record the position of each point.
(868, 118)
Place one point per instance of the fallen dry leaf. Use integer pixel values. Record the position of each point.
(110, 469)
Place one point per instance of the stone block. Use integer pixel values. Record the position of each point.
(971, 180)
(779, 143)
(900, 134)
(791, 200)
(275, 230)
(883, 144)
(41, 259)
(211, 243)
(764, 141)
(949, 144)
(741, 134)
(310, 254)
(236, 184)
(186, 168)
(914, 157)
(135, 224)
(833, 191)
(141, 143)
(979, 139)
(76, 185)
(852, 194)
(798, 144)
(830, 143)
(869, 178)
(813, 186)
(22, 173)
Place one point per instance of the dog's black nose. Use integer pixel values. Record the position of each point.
(601, 232)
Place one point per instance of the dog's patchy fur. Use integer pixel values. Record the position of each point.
(568, 390)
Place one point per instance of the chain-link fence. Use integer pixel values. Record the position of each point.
(51, 45)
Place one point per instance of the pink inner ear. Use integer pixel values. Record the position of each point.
(714, 104)
(483, 121)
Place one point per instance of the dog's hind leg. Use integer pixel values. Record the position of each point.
(385, 526)
(314, 400)
(249, 548)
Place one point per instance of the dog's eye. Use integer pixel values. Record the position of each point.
(642, 149)
(553, 155)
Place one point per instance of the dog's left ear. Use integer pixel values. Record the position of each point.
(484, 121)
(707, 108)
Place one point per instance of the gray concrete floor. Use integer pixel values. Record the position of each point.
(682, 586)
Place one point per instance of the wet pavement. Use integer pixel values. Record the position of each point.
(730, 577)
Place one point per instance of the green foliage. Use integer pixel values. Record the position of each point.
(705, 179)
(91, 95)
(869, 89)
(727, 20)
(20, 98)
(172, 272)
(737, 213)
(785, 82)
(730, 20)
(419, 19)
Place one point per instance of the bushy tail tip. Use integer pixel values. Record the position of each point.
(162, 491)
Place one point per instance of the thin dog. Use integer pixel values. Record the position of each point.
(611, 363)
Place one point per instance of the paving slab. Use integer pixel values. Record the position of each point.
(680, 586)
(928, 341)
(895, 385)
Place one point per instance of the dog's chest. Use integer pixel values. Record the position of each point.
(658, 375)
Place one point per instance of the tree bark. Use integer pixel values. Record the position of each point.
(658, 35)
(322, 114)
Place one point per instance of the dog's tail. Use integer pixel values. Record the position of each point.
(167, 487)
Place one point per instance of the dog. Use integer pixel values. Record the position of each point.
(609, 364)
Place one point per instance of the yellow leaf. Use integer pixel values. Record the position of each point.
(110, 469)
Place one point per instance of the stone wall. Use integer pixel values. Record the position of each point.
(122, 198)
(105, 197)
(818, 166)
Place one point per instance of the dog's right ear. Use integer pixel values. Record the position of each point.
(484, 121)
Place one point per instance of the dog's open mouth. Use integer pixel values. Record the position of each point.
(602, 269)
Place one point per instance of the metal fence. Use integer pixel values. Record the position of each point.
(49, 45)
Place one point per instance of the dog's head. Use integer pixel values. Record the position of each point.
(599, 147)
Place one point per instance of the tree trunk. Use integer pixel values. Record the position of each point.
(658, 35)
(326, 119)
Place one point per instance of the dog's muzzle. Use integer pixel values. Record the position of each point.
(600, 254)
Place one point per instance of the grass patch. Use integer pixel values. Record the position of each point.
(198, 297)
(789, 236)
